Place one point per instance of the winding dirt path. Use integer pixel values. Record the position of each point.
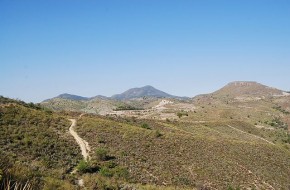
(251, 135)
(84, 145)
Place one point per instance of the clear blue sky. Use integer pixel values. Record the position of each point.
(183, 47)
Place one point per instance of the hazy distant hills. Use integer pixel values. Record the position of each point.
(146, 91)
(231, 90)
(148, 97)
(135, 98)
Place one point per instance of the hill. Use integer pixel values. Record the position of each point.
(146, 91)
(68, 97)
(35, 148)
(213, 145)
(211, 155)
(132, 99)
(242, 89)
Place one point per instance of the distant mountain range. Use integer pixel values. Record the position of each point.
(146, 91)
(237, 89)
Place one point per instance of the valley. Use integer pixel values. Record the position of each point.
(237, 137)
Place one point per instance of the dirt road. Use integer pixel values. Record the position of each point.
(251, 135)
(84, 145)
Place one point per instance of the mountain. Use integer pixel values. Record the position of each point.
(146, 91)
(248, 89)
(69, 97)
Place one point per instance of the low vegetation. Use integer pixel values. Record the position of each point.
(210, 155)
(34, 144)
(279, 108)
(126, 107)
(219, 143)
(181, 114)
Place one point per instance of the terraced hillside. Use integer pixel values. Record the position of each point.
(208, 155)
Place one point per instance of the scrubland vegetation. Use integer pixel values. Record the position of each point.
(189, 156)
(219, 143)
(35, 147)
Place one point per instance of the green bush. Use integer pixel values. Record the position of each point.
(121, 173)
(102, 154)
(157, 134)
(145, 126)
(180, 114)
(106, 172)
(110, 164)
(83, 166)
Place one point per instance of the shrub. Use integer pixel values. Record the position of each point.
(83, 166)
(157, 134)
(127, 107)
(106, 172)
(52, 183)
(121, 173)
(102, 154)
(180, 114)
(110, 164)
(145, 126)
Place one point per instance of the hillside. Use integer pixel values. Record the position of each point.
(35, 148)
(213, 141)
(252, 102)
(68, 97)
(218, 153)
(247, 89)
(212, 155)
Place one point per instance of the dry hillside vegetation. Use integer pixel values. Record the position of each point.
(235, 138)
(211, 155)
(35, 146)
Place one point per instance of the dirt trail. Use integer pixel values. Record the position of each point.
(251, 135)
(84, 145)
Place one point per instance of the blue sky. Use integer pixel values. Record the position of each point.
(183, 47)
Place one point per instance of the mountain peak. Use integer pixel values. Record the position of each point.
(139, 92)
(148, 86)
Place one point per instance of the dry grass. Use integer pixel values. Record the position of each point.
(189, 155)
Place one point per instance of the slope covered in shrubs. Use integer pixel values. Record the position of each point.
(34, 145)
(187, 155)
